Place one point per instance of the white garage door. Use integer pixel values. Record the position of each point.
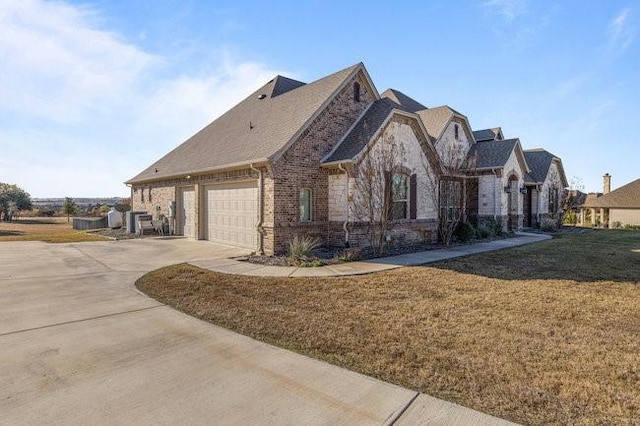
(231, 213)
(187, 212)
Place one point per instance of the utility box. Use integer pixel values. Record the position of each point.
(132, 219)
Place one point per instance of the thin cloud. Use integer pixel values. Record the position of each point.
(621, 31)
(508, 9)
(84, 109)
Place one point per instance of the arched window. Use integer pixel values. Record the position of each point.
(356, 91)
(400, 196)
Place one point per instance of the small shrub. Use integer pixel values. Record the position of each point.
(464, 232)
(47, 212)
(349, 255)
(617, 224)
(549, 225)
(313, 263)
(494, 226)
(484, 231)
(632, 227)
(300, 248)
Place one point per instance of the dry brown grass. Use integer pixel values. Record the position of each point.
(47, 229)
(508, 333)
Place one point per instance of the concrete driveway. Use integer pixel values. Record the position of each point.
(79, 345)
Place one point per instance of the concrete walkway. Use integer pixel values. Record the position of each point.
(233, 266)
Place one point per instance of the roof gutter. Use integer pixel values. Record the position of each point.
(217, 169)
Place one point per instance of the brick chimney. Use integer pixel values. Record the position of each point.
(607, 183)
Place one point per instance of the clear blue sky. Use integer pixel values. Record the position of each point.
(93, 92)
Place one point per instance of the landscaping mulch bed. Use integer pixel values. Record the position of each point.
(116, 234)
(335, 255)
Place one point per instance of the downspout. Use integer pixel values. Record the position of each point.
(260, 211)
(346, 221)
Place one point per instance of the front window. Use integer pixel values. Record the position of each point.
(305, 204)
(400, 196)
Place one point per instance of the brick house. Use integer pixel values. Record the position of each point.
(284, 161)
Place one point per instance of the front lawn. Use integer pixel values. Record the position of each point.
(542, 334)
(47, 229)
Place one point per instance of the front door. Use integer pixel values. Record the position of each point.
(528, 221)
(187, 212)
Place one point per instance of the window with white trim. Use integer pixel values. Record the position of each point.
(400, 196)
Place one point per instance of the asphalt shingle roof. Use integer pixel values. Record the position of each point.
(627, 196)
(409, 104)
(486, 134)
(539, 162)
(363, 131)
(436, 119)
(491, 154)
(255, 129)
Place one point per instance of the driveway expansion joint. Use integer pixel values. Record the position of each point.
(397, 417)
(25, 330)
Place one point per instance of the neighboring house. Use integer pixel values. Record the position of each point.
(287, 161)
(612, 208)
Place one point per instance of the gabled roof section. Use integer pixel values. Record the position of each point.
(363, 130)
(626, 197)
(257, 129)
(409, 104)
(283, 85)
(540, 160)
(436, 119)
(369, 126)
(495, 154)
(493, 134)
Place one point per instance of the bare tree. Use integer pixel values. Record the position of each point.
(447, 187)
(572, 199)
(372, 203)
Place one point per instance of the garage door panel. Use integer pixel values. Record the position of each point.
(232, 214)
